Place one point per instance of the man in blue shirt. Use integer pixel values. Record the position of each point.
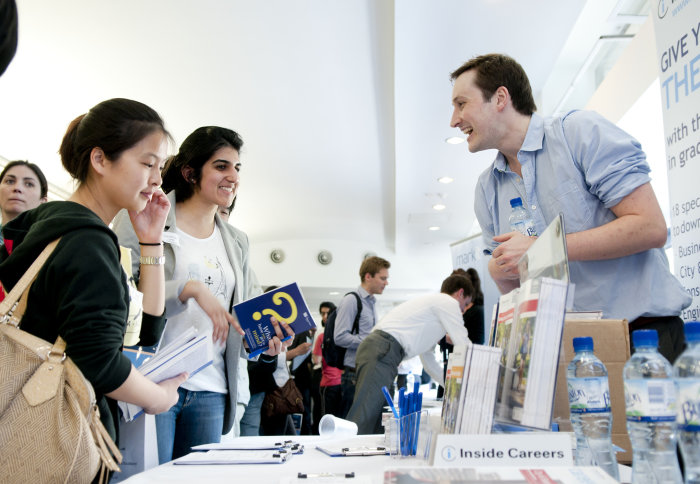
(585, 167)
(374, 274)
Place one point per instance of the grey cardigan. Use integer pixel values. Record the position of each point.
(236, 243)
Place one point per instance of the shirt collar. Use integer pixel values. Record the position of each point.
(532, 142)
(364, 294)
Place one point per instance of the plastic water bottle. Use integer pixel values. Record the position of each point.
(410, 380)
(589, 401)
(686, 375)
(650, 399)
(520, 219)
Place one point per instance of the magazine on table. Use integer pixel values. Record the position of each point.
(485, 475)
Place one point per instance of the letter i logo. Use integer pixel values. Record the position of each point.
(449, 453)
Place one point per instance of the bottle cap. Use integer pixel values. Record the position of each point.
(645, 338)
(692, 331)
(516, 202)
(583, 343)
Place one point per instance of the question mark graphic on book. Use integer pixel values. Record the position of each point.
(277, 299)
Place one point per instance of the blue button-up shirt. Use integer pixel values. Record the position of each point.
(582, 165)
(347, 310)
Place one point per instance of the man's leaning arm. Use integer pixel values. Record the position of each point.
(639, 225)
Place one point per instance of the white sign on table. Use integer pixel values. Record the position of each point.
(508, 450)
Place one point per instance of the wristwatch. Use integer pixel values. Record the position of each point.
(152, 260)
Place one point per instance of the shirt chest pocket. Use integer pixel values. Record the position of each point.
(569, 198)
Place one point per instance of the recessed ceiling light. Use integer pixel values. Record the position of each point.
(333, 293)
(445, 179)
(455, 140)
(439, 206)
(434, 228)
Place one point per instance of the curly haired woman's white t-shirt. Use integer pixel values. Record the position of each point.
(203, 260)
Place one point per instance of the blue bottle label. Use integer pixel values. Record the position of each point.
(650, 400)
(688, 413)
(588, 395)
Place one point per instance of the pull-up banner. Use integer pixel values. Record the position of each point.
(677, 28)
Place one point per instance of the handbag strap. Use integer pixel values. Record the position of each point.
(13, 306)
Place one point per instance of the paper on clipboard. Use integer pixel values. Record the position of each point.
(353, 451)
(287, 445)
(233, 457)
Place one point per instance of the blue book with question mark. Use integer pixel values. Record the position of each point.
(284, 304)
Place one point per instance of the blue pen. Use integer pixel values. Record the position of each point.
(416, 386)
(419, 407)
(385, 390)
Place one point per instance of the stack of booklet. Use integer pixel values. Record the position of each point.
(190, 352)
(470, 390)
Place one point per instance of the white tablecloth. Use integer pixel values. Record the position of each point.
(311, 461)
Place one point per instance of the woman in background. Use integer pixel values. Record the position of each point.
(115, 152)
(207, 271)
(474, 315)
(22, 187)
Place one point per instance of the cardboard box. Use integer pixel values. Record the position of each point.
(611, 343)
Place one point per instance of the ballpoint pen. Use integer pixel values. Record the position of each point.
(385, 390)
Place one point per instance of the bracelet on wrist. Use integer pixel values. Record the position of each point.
(150, 260)
(150, 244)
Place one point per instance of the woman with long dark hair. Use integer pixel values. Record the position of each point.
(207, 271)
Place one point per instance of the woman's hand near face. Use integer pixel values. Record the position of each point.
(150, 222)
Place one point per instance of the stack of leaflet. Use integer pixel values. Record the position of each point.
(189, 352)
(470, 390)
(479, 392)
(454, 380)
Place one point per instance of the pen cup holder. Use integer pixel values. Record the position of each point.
(409, 436)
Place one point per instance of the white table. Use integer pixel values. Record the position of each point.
(367, 468)
(311, 461)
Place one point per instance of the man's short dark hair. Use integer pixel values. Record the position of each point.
(372, 265)
(496, 70)
(455, 282)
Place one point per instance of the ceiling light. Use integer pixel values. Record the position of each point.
(334, 293)
(455, 140)
(439, 206)
(434, 228)
(445, 179)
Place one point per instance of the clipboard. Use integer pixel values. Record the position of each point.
(234, 457)
(353, 451)
(287, 446)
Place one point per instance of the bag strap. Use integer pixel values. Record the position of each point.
(13, 306)
(356, 323)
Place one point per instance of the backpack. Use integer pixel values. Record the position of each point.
(333, 354)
